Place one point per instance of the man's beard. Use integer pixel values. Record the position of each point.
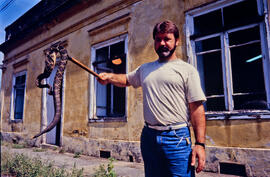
(164, 52)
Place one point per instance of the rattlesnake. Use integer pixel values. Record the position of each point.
(55, 91)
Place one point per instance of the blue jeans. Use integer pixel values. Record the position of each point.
(166, 153)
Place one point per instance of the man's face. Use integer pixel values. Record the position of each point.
(165, 45)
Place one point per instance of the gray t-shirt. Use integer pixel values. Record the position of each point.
(167, 87)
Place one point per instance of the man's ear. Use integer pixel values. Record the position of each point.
(177, 42)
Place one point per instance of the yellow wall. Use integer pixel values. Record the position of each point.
(239, 133)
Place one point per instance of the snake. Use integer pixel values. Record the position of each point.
(50, 62)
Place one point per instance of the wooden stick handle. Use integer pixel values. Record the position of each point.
(83, 67)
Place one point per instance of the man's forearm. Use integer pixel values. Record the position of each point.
(198, 124)
(198, 121)
(119, 80)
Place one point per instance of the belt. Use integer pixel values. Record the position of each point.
(166, 127)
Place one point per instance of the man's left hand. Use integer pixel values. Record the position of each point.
(199, 152)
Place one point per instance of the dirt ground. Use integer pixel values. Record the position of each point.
(89, 164)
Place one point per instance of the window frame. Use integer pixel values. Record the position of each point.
(226, 59)
(93, 82)
(13, 96)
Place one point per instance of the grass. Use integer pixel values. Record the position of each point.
(23, 166)
(39, 150)
(18, 146)
(4, 143)
(15, 145)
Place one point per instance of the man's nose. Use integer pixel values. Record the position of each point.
(162, 42)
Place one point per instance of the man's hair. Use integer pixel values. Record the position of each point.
(166, 27)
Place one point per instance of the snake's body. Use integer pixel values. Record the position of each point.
(50, 63)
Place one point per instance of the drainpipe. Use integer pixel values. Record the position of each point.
(43, 115)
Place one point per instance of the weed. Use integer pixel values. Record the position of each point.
(21, 165)
(61, 151)
(102, 171)
(76, 172)
(77, 154)
(5, 143)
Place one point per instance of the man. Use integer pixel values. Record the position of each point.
(172, 96)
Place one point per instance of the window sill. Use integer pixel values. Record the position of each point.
(238, 114)
(16, 121)
(108, 119)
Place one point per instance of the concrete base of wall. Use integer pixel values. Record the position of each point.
(121, 150)
(255, 161)
(240, 161)
(19, 138)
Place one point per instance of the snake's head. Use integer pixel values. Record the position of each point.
(56, 47)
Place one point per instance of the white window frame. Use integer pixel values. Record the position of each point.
(93, 82)
(12, 101)
(226, 61)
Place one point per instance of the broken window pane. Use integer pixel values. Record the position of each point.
(208, 44)
(247, 75)
(215, 104)
(208, 23)
(210, 69)
(240, 14)
(251, 101)
(244, 36)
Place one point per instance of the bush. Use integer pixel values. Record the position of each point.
(23, 166)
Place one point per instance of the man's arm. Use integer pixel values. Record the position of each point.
(198, 124)
(119, 80)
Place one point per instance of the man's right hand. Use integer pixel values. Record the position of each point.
(104, 78)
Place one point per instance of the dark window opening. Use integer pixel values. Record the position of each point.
(131, 158)
(19, 89)
(248, 77)
(110, 100)
(210, 70)
(239, 14)
(236, 15)
(204, 25)
(232, 169)
(105, 154)
(244, 36)
(208, 44)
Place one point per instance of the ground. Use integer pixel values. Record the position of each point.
(90, 164)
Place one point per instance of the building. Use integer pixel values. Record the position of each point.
(227, 40)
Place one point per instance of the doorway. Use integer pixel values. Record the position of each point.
(53, 137)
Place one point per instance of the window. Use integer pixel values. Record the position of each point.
(227, 42)
(18, 94)
(109, 101)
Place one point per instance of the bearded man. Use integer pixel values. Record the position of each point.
(172, 98)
